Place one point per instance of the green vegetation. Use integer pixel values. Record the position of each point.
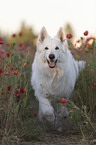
(18, 106)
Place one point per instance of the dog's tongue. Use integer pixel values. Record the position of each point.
(51, 63)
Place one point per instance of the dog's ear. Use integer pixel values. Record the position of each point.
(62, 37)
(43, 34)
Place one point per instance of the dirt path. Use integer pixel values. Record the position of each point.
(54, 139)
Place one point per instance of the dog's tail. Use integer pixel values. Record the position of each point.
(81, 65)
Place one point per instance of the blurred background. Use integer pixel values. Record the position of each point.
(26, 18)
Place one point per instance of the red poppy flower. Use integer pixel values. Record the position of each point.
(9, 88)
(23, 57)
(63, 101)
(9, 65)
(8, 54)
(7, 73)
(22, 90)
(13, 35)
(18, 92)
(26, 50)
(35, 114)
(1, 41)
(2, 93)
(16, 72)
(8, 92)
(13, 68)
(69, 36)
(6, 99)
(17, 97)
(20, 44)
(85, 33)
(28, 64)
(20, 34)
(94, 84)
(1, 71)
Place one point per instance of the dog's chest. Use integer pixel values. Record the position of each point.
(55, 84)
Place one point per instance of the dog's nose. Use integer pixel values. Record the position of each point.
(51, 56)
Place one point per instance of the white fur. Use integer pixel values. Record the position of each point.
(51, 83)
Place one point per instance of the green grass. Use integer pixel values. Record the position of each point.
(17, 120)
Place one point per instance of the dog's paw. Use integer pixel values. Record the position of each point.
(47, 114)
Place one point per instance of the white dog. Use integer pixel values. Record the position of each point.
(54, 73)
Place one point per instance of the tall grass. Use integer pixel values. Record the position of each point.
(82, 105)
(18, 107)
(17, 119)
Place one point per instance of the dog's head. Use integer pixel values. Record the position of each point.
(49, 49)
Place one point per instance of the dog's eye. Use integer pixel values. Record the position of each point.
(46, 48)
(56, 48)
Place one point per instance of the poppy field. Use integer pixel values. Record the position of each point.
(19, 122)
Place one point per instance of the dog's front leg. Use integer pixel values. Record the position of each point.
(46, 111)
(62, 113)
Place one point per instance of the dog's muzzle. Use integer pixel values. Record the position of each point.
(51, 61)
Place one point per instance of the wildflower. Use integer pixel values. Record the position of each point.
(22, 90)
(6, 99)
(63, 101)
(26, 50)
(14, 35)
(8, 54)
(94, 84)
(13, 68)
(1, 41)
(9, 65)
(1, 71)
(35, 114)
(9, 88)
(23, 47)
(2, 93)
(17, 97)
(18, 92)
(8, 92)
(16, 72)
(28, 64)
(20, 34)
(20, 44)
(85, 33)
(23, 57)
(81, 38)
(69, 36)
(7, 73)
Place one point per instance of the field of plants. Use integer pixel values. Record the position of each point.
(19, 124)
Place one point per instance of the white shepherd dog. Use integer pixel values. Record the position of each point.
(54, 74)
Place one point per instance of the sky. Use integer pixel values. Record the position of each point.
(52, 14)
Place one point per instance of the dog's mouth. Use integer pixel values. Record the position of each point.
(52, 62)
